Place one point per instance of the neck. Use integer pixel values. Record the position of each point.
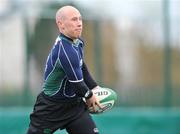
(67, 37)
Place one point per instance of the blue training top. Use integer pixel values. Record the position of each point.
(63, 68)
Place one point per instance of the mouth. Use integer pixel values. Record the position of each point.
(79, 30)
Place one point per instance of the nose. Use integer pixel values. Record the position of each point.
(79, 23)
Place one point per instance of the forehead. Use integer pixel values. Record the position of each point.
(73, 13)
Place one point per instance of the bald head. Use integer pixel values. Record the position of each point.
(69, 21)
(63, 12)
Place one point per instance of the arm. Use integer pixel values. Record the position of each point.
(70, 63)
(90, 82)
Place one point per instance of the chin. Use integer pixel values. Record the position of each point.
(78, 36)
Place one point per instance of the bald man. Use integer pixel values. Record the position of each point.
(66, 82)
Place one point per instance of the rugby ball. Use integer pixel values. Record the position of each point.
(106, 96)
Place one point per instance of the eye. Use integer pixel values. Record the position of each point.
(77, 18)
(74, 19)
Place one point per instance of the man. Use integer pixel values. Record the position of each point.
(66, 82)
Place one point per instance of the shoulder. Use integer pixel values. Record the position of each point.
(65, 41)
(65, 44)
(66, 48)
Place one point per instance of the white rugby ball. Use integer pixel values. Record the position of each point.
(106, 96)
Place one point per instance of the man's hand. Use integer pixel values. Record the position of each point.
(93, 102)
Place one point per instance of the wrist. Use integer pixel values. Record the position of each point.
(88, 94)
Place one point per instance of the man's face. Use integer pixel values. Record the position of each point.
(72, 24)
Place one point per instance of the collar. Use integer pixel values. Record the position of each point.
(74, 42)
(65, 37)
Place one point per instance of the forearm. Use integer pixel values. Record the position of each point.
(82, 90)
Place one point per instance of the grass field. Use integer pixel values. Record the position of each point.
(14, 120)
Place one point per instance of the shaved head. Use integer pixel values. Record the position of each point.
(69, 21)
(63, 12)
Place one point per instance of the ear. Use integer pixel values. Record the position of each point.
(60, 24)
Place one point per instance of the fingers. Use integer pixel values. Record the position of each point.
(93, 103)
(98, 104)
(89, 104)
(94, 107)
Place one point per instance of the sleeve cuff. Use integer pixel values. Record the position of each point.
(88, 94)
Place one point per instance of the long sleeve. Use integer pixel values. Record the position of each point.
(90, 82)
